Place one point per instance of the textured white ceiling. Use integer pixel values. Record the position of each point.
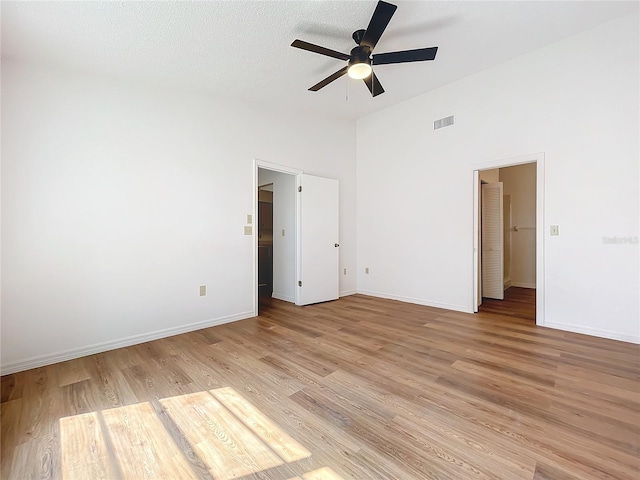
(241, 49)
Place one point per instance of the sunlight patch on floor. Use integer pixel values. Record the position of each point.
(282, 444)
(321, 474)
(141, 446)
(85, 453)
(229, 435)
(225, 445)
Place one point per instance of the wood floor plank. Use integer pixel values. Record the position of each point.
(463, 462)
(10, 413)
(84, 449)
(486, 451)
(226, 445)
(181, 441)
(11, 389)
(72, 371)
(275, 438)
(536, 436)
(141, 445)
(322, 474)
(34, 459)
(113, 390)
(620, 412)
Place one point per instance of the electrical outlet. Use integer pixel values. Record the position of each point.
(248, 230)
(203, 290)
(345, 271)
(366, 270)
(249, 219)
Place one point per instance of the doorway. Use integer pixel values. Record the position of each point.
(296, 256)
(276, 236)
(265, 241)
(516, 273)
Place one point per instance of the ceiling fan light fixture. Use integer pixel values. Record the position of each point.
(362, 56)
(360, 63)
(359, 70)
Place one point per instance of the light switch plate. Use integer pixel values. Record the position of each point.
(554, 230)
(249, 219)
(248, 230)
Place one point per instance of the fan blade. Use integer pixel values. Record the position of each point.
(318, 49)
(379, 21)
(374, 85)
(417, 55)
(329, 79)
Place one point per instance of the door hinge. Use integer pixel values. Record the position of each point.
(300, 188)
(300, 283)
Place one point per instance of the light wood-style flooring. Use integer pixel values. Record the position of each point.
(359, 388)
(518, 302)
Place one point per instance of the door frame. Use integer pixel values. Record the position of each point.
(538, 159)
(257, 163)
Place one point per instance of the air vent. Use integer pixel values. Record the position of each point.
(443, 122)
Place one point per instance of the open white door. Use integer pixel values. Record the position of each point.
(477, 242)
(318, 259)
(492, 241)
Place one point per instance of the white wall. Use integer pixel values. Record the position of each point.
(519, 183)
(284, 246)
(576, 101)
(119, 200)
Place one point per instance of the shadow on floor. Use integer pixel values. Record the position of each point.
(518, 302)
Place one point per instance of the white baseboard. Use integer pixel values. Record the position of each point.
(284, 298)
(48, 359)
(596, 332)
(523, 285)
(346, 293)
(417, 301)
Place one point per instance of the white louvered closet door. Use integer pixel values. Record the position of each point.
(492, 241)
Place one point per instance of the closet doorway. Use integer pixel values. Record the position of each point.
(508, 221)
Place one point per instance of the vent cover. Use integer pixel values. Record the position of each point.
(443, 122)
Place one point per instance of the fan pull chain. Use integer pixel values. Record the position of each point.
(346, 88)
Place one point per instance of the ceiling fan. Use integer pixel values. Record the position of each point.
(361, 58)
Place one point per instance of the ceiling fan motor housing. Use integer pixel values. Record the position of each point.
(360, 54)
(358, 35)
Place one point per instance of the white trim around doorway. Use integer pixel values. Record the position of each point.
(257, 163)
(538, 158)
